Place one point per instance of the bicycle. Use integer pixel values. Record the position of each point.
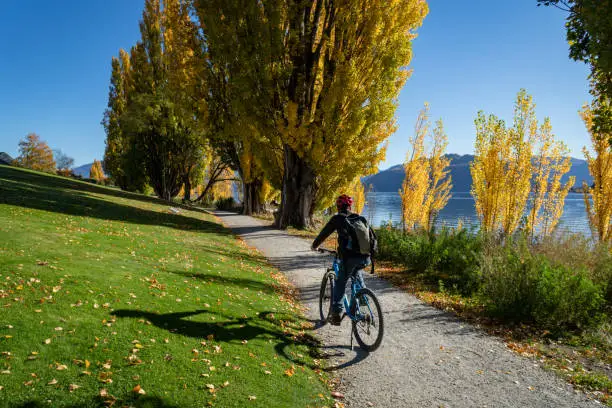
(363, 308)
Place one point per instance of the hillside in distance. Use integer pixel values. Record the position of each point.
(391, 179)
(83, 170)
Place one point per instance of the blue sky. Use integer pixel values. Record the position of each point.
(469, 55)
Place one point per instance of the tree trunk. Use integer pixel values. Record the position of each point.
(187, 187)
(251, 203)
(298, 193)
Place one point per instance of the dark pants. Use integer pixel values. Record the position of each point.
(349, 264)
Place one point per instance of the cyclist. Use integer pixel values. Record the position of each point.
(350, 259)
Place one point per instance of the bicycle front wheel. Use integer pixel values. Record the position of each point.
(368, 323)
(326, 295)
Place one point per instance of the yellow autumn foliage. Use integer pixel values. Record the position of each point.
(598, 198)
(427, 184)
(506, 174)
(96, 171)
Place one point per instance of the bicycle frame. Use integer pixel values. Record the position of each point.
(356, 284)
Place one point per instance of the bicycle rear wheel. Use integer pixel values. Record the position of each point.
(368, 325)
(326, 295)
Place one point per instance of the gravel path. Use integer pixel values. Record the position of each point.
(428, 358)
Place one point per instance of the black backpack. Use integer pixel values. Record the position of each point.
(361, 238)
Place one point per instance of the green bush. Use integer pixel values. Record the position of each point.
(449, 256)
(519, 285)
(225, 204)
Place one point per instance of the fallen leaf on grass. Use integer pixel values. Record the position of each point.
(290, 371)
(252, 397)
(211, 388)
(268, 372)
(58, 329)
(103, 393)
(47, 341)
(28, 383)
(138, 390)
(61, 367)
(1, 387)
(52, 382)
(73, 387)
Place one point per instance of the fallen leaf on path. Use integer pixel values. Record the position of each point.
(338, 395)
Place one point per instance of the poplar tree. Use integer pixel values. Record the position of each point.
(96, 171)
(122, 159)
(548, 192)
(321, 77)
(598, 198)
(156, 119)
(512, 164)
(427, 184)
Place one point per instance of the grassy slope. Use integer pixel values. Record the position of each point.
(109, 291)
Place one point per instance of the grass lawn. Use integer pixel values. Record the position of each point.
(109, 299)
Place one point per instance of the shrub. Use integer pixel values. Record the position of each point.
(225, 204)
(575, 251)
(519, 285)
(449, 256)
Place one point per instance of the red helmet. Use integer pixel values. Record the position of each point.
(344, 201)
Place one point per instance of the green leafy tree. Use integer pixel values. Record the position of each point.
(122, 160)
(589, 34)
(156, 120)
(35, 154)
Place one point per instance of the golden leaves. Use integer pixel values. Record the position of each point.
(504, 171)
(427, 184)
(598, 201)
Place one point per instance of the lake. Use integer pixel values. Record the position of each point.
(387, 206)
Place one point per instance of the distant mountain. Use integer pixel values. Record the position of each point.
(392, 178)
(5, 159)
(83, 170)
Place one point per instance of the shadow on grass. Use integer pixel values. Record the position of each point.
(264, 326)
(96, 401)
(229, 281)
(63, 195)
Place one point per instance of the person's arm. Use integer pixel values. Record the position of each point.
(327, 230)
